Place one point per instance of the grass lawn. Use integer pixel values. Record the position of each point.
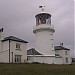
(36, 69)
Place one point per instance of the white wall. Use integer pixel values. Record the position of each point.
(22, 51)
(43, 36)
(1, 38)
(0, 45)
(45, 59)
(4, 56)
(4, 53)
(58, 60)
(64, 56)
(5, 45)
(42, 59)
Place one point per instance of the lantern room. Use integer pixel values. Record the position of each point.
(43, 18)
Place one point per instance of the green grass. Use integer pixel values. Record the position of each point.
(36, 69)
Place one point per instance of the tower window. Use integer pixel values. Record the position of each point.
(51, 39)
(52, 45)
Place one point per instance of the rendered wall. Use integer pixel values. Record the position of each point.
(22, 51)
(58, 60)
(4, 56)
(4, 53)
(44, 39)
(40, 59)
(63, 54)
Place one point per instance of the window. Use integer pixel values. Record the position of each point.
(18, 58)
(66, 60)
(51, 39)
(66, 53)
(0, 36)
(52, 45)
(48, 21)
(53, 50)
(51, 34)
(18, 46)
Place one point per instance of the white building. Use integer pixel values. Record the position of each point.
(45, 52)
(62, 56)
(12, 49)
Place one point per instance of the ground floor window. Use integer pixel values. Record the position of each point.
(66, 60)
(18, 58)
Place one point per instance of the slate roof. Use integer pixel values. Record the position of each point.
(60, 48)
(32, 51)
(12, 38)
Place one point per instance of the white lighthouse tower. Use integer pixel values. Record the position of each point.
(44, 34)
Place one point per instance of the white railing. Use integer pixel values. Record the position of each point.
(43, 26)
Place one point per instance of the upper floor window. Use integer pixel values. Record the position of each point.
(66, 52)
(18, 45)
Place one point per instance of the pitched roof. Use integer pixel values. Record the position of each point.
(60, 48)
(14, 39)
(32, 51)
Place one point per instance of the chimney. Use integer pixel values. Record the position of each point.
(1, 30)
(61, 44)
(1, 34)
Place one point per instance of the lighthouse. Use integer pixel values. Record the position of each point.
(44, 33)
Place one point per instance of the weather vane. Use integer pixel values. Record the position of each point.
(42, 7)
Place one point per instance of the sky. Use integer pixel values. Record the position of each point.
(17, 17)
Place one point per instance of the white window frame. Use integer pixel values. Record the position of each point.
(66, 60)
(66, 52)
(18, 46)
(18, 58)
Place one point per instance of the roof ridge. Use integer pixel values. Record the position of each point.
(14, 39)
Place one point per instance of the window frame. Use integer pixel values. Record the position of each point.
(66, 52)
(18, 46)
(18, 58)
(66, 60)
